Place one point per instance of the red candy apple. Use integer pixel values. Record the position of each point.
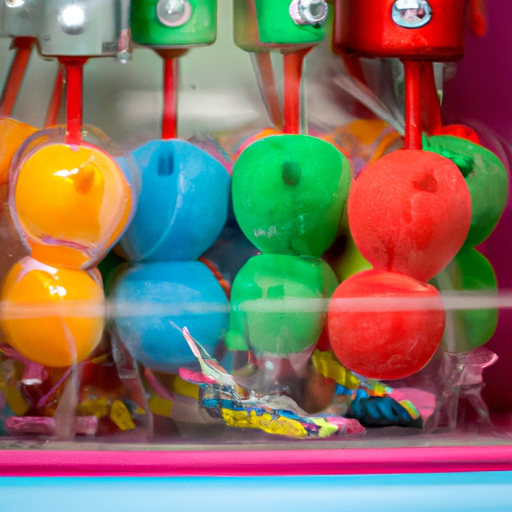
(377, 338)
(410, 212)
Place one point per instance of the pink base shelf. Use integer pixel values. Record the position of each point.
(246, 463)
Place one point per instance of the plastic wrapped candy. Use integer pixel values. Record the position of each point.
(290, 206)
(227, 398)
(182, 208)
(55, 310)
(83, 190)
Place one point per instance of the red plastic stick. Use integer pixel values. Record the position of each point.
(431, 105)
(74, 100)
(292, 79)
(16, 74)
(53, 108)
(412, 70)
(477, 17)
(267, 84)
(171, 87)
(353, 65)
(355, 70)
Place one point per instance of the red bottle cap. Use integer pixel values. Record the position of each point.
(406, 29)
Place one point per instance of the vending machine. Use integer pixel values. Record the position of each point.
(255, 253)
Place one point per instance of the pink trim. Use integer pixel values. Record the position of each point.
(255, 463)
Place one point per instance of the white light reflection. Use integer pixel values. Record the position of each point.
(114, 309)
(66, 173)
(58, 290)
(72, 19)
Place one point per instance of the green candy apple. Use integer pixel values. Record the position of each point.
(486, 178)
(468, 329)
(289, 194)
(270, 310)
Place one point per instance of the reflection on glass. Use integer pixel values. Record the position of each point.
(411, 13)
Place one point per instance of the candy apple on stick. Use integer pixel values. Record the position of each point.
(95, 178)
(286, 201)
(289, 194)
(400, 234)
(409, 213)
(69, 199)
(182, 207)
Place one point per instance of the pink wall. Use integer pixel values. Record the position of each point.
(481, 91)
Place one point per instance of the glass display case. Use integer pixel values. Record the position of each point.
(266, 242)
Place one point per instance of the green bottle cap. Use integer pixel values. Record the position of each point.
(174, 23)
(262, 25)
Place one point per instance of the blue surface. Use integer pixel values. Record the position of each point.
(183, 202)
(489, 491)
(190, 296)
